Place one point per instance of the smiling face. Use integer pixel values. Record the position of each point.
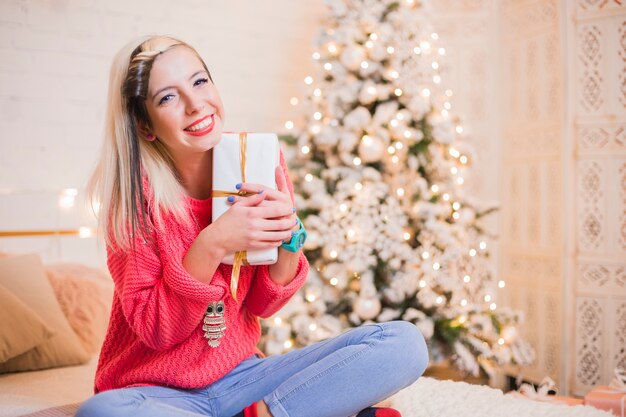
(185, 108)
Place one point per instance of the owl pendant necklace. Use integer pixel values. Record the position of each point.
(214, 323)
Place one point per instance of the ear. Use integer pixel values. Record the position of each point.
(144, 131)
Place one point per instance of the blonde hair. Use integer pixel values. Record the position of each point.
(135, 181)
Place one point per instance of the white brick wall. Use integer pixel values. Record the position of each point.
(54, 61)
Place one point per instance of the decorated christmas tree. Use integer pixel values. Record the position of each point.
(379, 162)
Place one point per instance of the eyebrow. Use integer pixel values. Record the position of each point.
(156, 93)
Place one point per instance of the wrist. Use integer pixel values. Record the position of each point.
(211, 244)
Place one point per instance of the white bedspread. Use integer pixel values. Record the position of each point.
(27, 392)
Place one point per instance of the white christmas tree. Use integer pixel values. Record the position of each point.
(379, 172)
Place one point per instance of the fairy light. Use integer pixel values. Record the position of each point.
(332, 48)
(394, 122)
(434, 188)
(364, 64)
(422, 283)
(439, 300)
(447, 105)
(395, 159)
(434, 35)
(343, 207)
(425, 255)
(460, 180)
(442, 51)
(294, 101)
(371, 90)
(417, 50)
(394, 74)
(391, 150)
(501, 284)
(316, 55)
(85, 232)
(435, 65)
(399, 116)
(444, 113)
(308, 177)
(454, 170)
(487, 298)
(436, 79)
(456, 215)
(305, 149)
(328, 66)
(358, 186)
(288, 344)
(390, 50)
(373, 36)
(397, 92)
(313, 327)
(446, 197)
(482, 245)
(351, 233)
(424, 45)
(449, 93)
(317, 92)
(456, 205)
(315, 129)
(463, 302)
(459, 129)
(398, 145)
(333, 254)
(310, 297)
(407, 134)
(467, 279)
(500, 341)
(317, 115)
(462, 319)
(289, 124)
(492, 307)
(68, 197)
(454, 153)
(463, 159)
(369, 44)
(356, 161)
(407, 236)
(472, 252)
(308, 80)
(334, 281)
(400, 192)
(278, 321)
(426, 92)
(436, 266)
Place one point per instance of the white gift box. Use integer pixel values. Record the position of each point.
(262, 156)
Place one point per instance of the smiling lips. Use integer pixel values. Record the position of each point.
(201, 127)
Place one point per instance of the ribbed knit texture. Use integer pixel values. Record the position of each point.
(155, 333)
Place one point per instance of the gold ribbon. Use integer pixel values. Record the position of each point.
(241, 256)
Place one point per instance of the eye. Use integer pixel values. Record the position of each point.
(165, 99)
(200, 81)
(210, 310)
(220, 309)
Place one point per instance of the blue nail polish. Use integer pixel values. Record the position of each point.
(230, 198)
(261, 192)
(293, 209)
(238, 186)
(292, 233)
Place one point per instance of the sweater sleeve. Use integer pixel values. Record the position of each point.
(265, 296)
(160, 300)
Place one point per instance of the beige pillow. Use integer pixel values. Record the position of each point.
(22, 329)
(25, 277)
(85, 295)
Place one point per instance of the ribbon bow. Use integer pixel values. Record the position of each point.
(618, 383)
(241, 256)
(541, 393)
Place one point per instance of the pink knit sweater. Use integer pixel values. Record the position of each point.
(155, 333)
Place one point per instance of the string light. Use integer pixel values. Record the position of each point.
(460, 180)
(459, 129)
(310, 297)
(316, 55)
(278, 321)
(343, 207)
(332, 48)
(294, 101)
(417, 50)
(436, 266)
(394, 122)
(425, 255)
(328, 66)
(334, 281)
(446, 197)
(435, 65)
(449, 93)
(483, 245)
(442, 51)
(500, 341)
(434, 35)
(333, 254)
(371, 90)
(313, 327)
(315, 129)
(436, 79)
(395, 159)
(308, 177)
(463, 302)
(358, 186)
(356, 161)
(407, 236)
(426, 92)
(424, 45)
(351, 233)
(390, 50)
(398, 145)
(85, 232)
(472, 252)
(493, 306)
(407, 134)
(397, 92)
(454, 153)
(68, 197)
(466, 278)
(373, 36)
(400, 192)
(422, 283)
(317, 92)
(305, 149)
(501, 284)
(456, 205)
(399, 116)
(288, 344)
(454, 170)
(317, 115)
(391, 150)
(289, 124)
(369, 44)
(434, 188)
(487, 298)
(394, 74)
(456, 215)
(463, 159)
(364, 65)
(447, 105)
(439, 300)
(308, 80)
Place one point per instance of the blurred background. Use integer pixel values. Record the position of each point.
(539, 84)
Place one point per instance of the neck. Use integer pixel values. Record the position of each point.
(196, 174)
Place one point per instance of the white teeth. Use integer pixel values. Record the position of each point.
(201, 125)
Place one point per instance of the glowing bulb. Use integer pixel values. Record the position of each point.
(316, 55)
(435, 65)
(399, 116)
(334, 281)
(343, 207)
(456, 205)
(328, 66)
(487, 298)
(391, 150)
(449, 93)
(308, 80)
(463, 159)
(442, 51)
(407, 236)
(315, 129)
(356, 161)
(371, 90)
(454, 170)
(366, 140)
(332, 48)
(395, 159)
(351, 233)
(436, 266)
(305, 149)
(369, 44)
(463, 302)
(84, 232)
(462, 319)
(426, 92)
(288, 344)
(500, 341)
(447, 105)
(313, 327)
(417, 50)
(483, 245)
(398, 145)
(397, 92)
(454, 153)
(394, 74)
(434, 188)
(466, 278)
(446, 197)
(310, 297)
(317, 115)
(390, 50)
(424, 45)
(373, 36)
(278, 321)
(400, 192)
(439, 300)
(364, 65)
(394, 122)
(460, 180)
(459, 129)
(289, 124)
(493, 306)
(333, 254)
(434, 35)
(472, 252)
(358, 186)
(456, 215)
(308, 177)
(407, 134)
(436, 79)
(444, 113)
(317, 92)
(501, 284)
(294, 101)
(425, 255)
(422, 283)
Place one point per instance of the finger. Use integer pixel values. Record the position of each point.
(263, 236)
(281, 180)
(265, 245)
(250, 201)
(283, 224)
(274, 211)
(272, 194)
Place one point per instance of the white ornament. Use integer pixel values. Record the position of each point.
(371, 150)
(352, 56)
(367, 308)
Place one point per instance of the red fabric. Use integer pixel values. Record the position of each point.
(379, 412)
(155, 333)
(250, 411)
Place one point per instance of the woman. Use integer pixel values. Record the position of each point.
(153, 182)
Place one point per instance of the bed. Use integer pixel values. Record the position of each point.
(83, 296)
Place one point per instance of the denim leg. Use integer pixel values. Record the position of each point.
(336, 377)
(147, 402)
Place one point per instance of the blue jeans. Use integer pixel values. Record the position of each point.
(333, 378)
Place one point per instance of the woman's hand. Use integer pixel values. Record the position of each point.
(261, 221)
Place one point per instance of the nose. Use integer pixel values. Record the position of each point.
(193, 104)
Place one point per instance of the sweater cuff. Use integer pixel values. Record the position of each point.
(180, 281)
